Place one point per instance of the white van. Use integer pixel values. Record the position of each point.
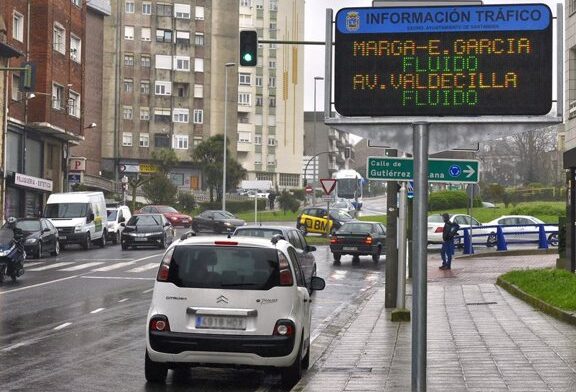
(80, 217)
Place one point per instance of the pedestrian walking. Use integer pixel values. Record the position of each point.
(271, 198)
(448, 233)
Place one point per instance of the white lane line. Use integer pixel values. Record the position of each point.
(113, 266)
(123, 300)
(82, 266)
(61, 326)
(21, 344)
(116, 277)
(26, 265)
(50, 266)
(102, 259)
(149, 257)
(145, 267)
(97, 310)
(147, 291)
(38, 285)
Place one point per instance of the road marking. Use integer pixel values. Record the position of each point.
(123, 300)
(97, 310)
(51, 266)
(147, 291)
(102, 259)
(114, 266)
(145, 267)
(21, 344)
(338, 274)
(149, 257)
(26, 265)
(115, 277)
(38, 285)
(61, 326)
(82, 266)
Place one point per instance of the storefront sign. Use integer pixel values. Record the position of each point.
(77, 164)
(32, 182)
(74, 178)
(148, 168)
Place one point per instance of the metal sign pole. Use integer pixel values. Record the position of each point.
(419, 224)
(401, 296)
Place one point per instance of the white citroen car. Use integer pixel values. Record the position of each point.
(436, 226)
(230, 302)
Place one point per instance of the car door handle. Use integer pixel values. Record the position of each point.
(307, 300)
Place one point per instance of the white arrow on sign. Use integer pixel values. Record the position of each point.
(470, 171)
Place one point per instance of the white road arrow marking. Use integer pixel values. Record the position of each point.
(470, 171)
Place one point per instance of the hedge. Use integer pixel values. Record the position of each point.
(448, 200)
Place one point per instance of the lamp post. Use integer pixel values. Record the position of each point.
(226, 66)
(316, 78)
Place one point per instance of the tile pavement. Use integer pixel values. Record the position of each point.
(480, 338)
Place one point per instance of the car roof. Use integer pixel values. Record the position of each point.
(359, 221)
(149, 214)
(266, 227)
(241, 241)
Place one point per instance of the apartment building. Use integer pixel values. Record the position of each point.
(270, 95)
(164, 75)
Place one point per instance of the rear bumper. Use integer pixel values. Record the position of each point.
(354, 249)
(154, 240)
(263, 346)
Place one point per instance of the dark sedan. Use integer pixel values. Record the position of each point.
(217, 221)
(147, 230)
(358, 239)
(290, 234)
(40, 237)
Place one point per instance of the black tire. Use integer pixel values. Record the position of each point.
(56, 250)
(492, 240)
(376, 256)
(553, 239)
(102, 241)
(337, 257)
(62, 245)
(13, 276)
(124, 246)
(154, 372)
(355, 259)
(293, 373)
(2, 274)
(116, 238)
(38, 252)
(87, 244)
(163, 244)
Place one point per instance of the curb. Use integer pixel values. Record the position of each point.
(514, 252)
(544, 307)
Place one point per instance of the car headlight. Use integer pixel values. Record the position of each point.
(78, 229)
(31, 241)
(227, 224)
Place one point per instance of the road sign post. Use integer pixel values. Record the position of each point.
(328, 184)
(439, 170)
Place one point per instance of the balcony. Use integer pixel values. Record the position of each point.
(243, 147)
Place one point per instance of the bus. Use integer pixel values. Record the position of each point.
(349, 185)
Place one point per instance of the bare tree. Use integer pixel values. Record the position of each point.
(532, 150)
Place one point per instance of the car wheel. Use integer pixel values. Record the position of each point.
(491, 241)
(124, 246)
(38, 254)
(355, 259)
(62, 245)
(116, 238)
(337, 257)
(87, 242)
(293, 373)
(56, 250)
(553, 239)
(155, 372)
(102, 241)
(163, 243)
(376, 256)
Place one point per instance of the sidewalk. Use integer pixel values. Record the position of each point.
(480, 338)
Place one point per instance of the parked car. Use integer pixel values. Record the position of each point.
(528, 232)
(217, 221)
(359, 239)
(40, 237)
(436, 226)
(116, 216)
(239, 302)
(147, 230)
(315, 220)
(344, 205)
(290, 234)
(173, 216)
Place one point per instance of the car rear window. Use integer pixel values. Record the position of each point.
(219, 267)
(257, 232)
(356, 228)
(435, 219)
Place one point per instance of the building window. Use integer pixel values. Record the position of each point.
(127, 139)
(272, 102)
(146, 8)
(183, 37)
(198, 91)
(127, 113)
(258, 140)
(180, 142)
(129, 7)
(181, 115)
(272, 81)
(258, 81)
(199, 39)
(182, 11)
(244, 137)
(163, 61)
(257, 159)
(74, 104)
(162, 88)
(129, 32)
(163, 9)
(273, 5)
(272, 64)
(59, 39)
(145, 60)
(15, 92)
(145, 34)
(128, 86)
(196, 140)
(245, 3)
(163, 35)
(75, 48)
(144, 114)
(199, 15)
(244, 99)
(145, 87)
(271, 160)
(129, 60)
(182, 63)
(18, 27)
(259, 100)
(162, 115)
(198, 65)
(245, 79)
(272, 141)
(162, 141)
(144, 140)
(289, 180)
(182, 90)
(57, 96)
(198, 116)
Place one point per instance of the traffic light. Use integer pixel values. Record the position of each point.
(27, 77)
(248, 48)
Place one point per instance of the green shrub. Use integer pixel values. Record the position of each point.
(299, 194)
(492, 192)
(160, 190)
(288, 202)
(233, 206)
(538, 209)
(186, 201)
(447, 200)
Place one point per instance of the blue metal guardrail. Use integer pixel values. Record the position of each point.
(503, 239)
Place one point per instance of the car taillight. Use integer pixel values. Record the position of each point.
(285, 272)
(368, 240)
(334, 240)
(164, 269)
(159, 323)
(284, 328)
(439, 229)
(226, 243)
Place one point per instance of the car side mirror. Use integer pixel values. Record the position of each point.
(167, 224)
(310, 248)
(45, 230)
(317, 283)
(122, 219)
(188, 234)
(90, 217)
(123, 224)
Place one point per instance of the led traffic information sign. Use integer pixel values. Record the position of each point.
(444, 61)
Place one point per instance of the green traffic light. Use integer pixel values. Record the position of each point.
(247, 57)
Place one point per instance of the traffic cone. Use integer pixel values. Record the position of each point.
(500, 240)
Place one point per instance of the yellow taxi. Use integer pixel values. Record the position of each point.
(316, 220)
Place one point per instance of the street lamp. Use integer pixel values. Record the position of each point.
(226, 66)
(316, 78)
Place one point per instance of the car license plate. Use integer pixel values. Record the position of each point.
(141, 239)
(221, 322)
(349, 248)
(61, 237)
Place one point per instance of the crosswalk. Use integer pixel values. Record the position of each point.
(86, 266)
